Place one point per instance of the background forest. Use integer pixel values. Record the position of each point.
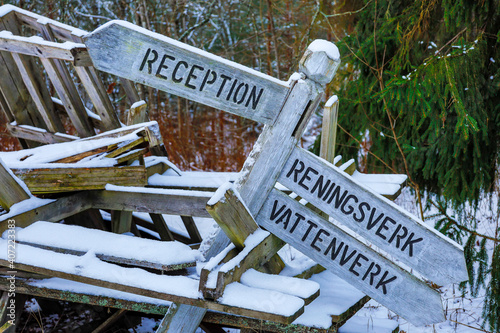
(419, 91)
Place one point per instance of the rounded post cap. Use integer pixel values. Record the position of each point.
(320, 61)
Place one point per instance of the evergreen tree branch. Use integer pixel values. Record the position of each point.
(442, 210)
(348, 13)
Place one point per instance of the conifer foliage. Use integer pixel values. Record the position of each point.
(421, 88)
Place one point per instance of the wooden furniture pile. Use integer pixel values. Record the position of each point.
(134, 226)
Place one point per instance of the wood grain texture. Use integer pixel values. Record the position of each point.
(351, 260)
(55, 180)
(11, 191)
(375, 218)
(128, 51)
(38, 135)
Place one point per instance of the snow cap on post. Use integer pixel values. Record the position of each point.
(320, 61)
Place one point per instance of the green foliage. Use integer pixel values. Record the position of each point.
(491, 310)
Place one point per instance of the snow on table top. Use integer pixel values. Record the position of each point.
(358, 324)
(91, 267)
(250, 243)
(285, 284)
(237, 294)
(106, 243)
(336, 297)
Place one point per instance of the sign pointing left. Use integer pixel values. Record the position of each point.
(137, 54)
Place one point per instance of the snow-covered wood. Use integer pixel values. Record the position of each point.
(129, 51)
(353, 261)
(375, 218)
(329, 129)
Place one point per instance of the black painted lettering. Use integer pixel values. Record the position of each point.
(228, 97)
(239, 100)
(371, 222)
(350, 209)
(162, 66)
(338, 199)
(320, 187)
(383, 282)
(149, 61)
(254, 97)
(305, 176)
(409, 244)
(372, 275)
(174, 73)
(345, 258)
(285, 218)
(333, 247)
(318, 238)
(274, 213)
(383, 226)
(207, 81)
(311, 226)
(296, 170)
(395, 233)
(299, 218)
(400, 237)
(356, 262)
(224, 79)
(191, 75)
(328, 192)
(361, 211)
(368, 271)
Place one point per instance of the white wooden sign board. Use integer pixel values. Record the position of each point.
(351, 260)
(374, 217)
(137, 54)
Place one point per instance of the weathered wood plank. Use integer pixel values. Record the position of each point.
(121, 221)
(38, 134)
(52, 121)
(138, 113)
(36, 46)
(126, 147)
(95, 89)
(12, 190)
(377, 219)
(86, 277)
(338, 250)
(192, 229)
(173, 202)
(52, 212)
(54, 180)
(329, 129)
(110, 321)
(162, 227)
(129, 51)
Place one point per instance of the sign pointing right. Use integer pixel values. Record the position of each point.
(375, 218)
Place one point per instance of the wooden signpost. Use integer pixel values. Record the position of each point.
(132, 52)
(374, 217)
(140, 55)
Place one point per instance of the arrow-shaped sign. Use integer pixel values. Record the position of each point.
(137, 54)
(340, 252)
(375, 218)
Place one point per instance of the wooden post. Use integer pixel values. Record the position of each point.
(329, 129)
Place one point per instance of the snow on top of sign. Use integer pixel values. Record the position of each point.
(83, 239)
(332, 100)
(83, 288)
(91, 267)
(285, 284)
(329, 48)
(237, 294)
(203, 194)
(190, 48)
